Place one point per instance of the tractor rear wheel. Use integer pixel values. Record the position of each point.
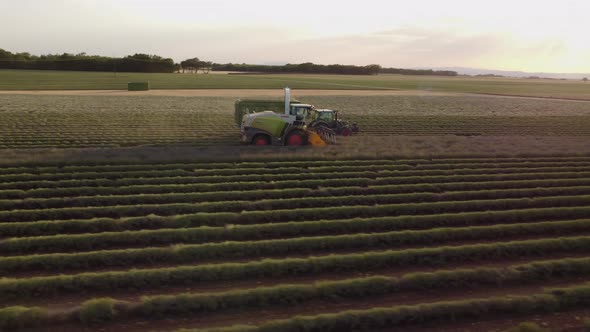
(261, 140)
(296, 138)
(346, 132)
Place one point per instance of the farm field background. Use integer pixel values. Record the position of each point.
(374, 243)
(62, 80)
(449, 211)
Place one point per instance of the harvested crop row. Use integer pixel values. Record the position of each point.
(381, 168)
(161, 306)
(270, 167)
(569, 195)
(195, 303)
(360, 211)
(274, 182)
(123, 167)
(113, 233)
(437, 183)
(11, 289)
(464, 160)
(187, 177)
(284, 247)
(404, 315)
(93, 175)
(298, 162)
(261, 194)
(153, 228)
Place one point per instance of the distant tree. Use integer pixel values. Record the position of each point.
(23, 56)
(192, 65)
(5, 54)
(66, 56)
(142, 56)
(585, 79)
(206, 66)
(306, 67)
(140, 62)
(373, 69)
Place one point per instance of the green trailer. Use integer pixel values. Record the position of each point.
(249, 106)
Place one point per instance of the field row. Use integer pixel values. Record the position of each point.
(227, 251)
(404, 170)
(557, 299)
(301, 163)
(188, 228)
(401, 170)
(19, 289)
(107, 309)
(189, 194)
(118, 246)
(419, 203)
(269, 180)
(84, 196)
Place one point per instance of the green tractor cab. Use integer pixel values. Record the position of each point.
(329, 119)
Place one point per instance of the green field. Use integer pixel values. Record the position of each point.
(61, 80)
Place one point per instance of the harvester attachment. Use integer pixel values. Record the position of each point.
(321, 136)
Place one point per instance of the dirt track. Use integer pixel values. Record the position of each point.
(228, 92)
(373, 147)
(241, 93)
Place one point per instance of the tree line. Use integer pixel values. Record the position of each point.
(83, 62)
(148, 63)
(418, 72)
(306, 68)
(311, 68)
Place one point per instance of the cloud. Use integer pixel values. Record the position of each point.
(403, 47)
(505, 35)
(412, 46)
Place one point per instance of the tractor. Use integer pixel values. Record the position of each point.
(326, 118)
(266, 122)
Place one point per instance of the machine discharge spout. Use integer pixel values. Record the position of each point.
(287, 100)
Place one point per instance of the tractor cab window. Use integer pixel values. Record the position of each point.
(299, 112)
(325, 116)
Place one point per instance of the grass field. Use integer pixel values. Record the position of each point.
(55, 80)
(280, 245)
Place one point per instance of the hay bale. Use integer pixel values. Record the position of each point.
(138, 86)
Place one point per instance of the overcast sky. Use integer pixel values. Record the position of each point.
(549, 36)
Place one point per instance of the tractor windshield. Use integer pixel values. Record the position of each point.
(326, 116)
(301, 112)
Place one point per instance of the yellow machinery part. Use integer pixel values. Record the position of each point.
(315, 139)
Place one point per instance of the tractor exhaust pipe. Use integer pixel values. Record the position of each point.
(287, 101)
